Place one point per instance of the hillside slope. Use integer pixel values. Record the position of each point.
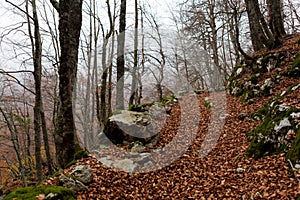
(229, 171)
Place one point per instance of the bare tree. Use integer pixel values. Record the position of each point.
(160, 63)
(121, 57)
(133, 95)
(263, 35)
(69, 29)
(105, 67)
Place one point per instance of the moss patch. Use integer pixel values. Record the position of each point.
(294, 152)
(30, 193)
(294, 71)
(73, 162)
(140, 107)
(265, 140)
(168, 99)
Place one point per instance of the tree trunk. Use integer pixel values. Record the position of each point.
(121, 57)
(261, 35)
(37, 63)
(70, 20)
(276, 20)
(133, 96)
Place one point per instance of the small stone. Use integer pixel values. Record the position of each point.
(240, 170)
(223, 116)
(239, 70)
(257, 118)
(235, 90)
(137, 147)
(295, 115)
(283, 93)
(283, 108)
(259, 61)
(283, 123)
(295, 87)
(50, 196)
(242, 116)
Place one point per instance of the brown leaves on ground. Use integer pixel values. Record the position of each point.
(225, 173)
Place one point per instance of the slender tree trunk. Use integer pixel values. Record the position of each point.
(112, 51)
(121, 57)
(103, 89)
(105, 68)
(133, 96)
(141, 72)
(15, 143)
(37, 63)
(87, 109)
(46, 141)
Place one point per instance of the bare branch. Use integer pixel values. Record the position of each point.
(17, 81)
(23, 11)
(55, 4)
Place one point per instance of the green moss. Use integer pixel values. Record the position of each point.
(73, 162)
(58, 173)
(248, 94)
(30, 193)
(140, 107)
(254, 78)
(132, 144)
(81, 154)
(168, 99)
(294, 152)
(294, 70)
(132, 107)
(264, 140)
(207, 105)
(233, 81)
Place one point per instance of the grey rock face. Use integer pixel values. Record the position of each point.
(83, 173)
(72, 184)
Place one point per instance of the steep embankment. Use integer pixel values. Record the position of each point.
(270, 81)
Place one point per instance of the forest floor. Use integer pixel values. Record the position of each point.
(225, 173)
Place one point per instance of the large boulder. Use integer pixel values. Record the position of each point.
(131, 126)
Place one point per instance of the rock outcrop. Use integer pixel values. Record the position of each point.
(78, 180)
(130, 126)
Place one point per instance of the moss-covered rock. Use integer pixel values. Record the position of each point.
(271, 136)
(294, 152)
(234, 86)
(166, 99)
(140, 107)
(49, 191)
(294, 70)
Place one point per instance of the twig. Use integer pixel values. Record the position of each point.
(294, 170)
